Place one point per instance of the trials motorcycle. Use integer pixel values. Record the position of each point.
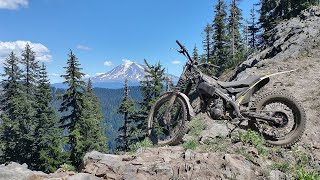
(276, 115)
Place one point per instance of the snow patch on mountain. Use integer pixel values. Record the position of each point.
(128, 70)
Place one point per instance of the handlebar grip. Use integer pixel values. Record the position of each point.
(179, 44)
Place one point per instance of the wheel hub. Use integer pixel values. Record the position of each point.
(282, 119)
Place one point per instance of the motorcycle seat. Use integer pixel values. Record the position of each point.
(242, 83)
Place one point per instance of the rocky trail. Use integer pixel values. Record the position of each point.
(218, 150)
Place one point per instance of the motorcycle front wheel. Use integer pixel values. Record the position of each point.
(167, 129)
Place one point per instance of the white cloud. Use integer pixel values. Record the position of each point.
(107, 63)
(54, 74)
(13, 4)
(87, 76)
(83, 47)
(42, 52)
(98, 74)
(175, 62)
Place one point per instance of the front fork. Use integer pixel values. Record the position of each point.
(167, 115)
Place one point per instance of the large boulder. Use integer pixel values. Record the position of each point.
(168, 163)
(15, 171)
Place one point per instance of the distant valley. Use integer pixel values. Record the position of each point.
(110, 102)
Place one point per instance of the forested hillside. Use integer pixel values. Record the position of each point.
(110, 100)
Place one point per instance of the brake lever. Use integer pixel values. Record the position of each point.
(179, 51)
(175, 49)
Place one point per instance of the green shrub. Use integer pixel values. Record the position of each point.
(251, 137)
(142, 144)
(282, 166)
(196, 127)
(242, 151)
(190, 144)
(215, 145)
(304, 175)
(68, 167)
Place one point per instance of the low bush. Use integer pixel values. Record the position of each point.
(142, 144)
(253, 138)
(190, 144)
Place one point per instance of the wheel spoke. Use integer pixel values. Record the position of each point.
(278, 110)
(167, 126)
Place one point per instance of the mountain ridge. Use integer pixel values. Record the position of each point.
(114, 79)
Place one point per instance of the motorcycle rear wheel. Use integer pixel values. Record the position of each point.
(281, 105)
(172, 132)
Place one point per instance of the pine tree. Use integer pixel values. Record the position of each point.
(253, 30)
(207, 43)
(266, 19)
(246, 38)
(29, 110)
(29, 130)
(73, 102)
(93, 128)
(84, 119)
(152, 84)
(234, 27)
(220, 38)
(195, 55)
(11, 106)
(126, 108)
(155, 75)
(47, 154)
(237, 47)
(151, 89)
(31, 67)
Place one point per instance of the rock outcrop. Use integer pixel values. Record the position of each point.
(15, 171)
(169, 163)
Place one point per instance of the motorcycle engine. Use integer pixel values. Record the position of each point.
(216, 108)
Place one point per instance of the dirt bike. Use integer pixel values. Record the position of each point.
(276, 115)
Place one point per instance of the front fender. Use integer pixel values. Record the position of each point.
(187, 101)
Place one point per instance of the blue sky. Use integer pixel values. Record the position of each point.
(103, 33)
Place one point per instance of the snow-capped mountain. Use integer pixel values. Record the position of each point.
(129, 70)
(115, 78)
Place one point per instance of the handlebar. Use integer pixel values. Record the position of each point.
(179, 44)
(184, 51)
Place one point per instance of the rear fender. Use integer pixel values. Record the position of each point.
(245, 97)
